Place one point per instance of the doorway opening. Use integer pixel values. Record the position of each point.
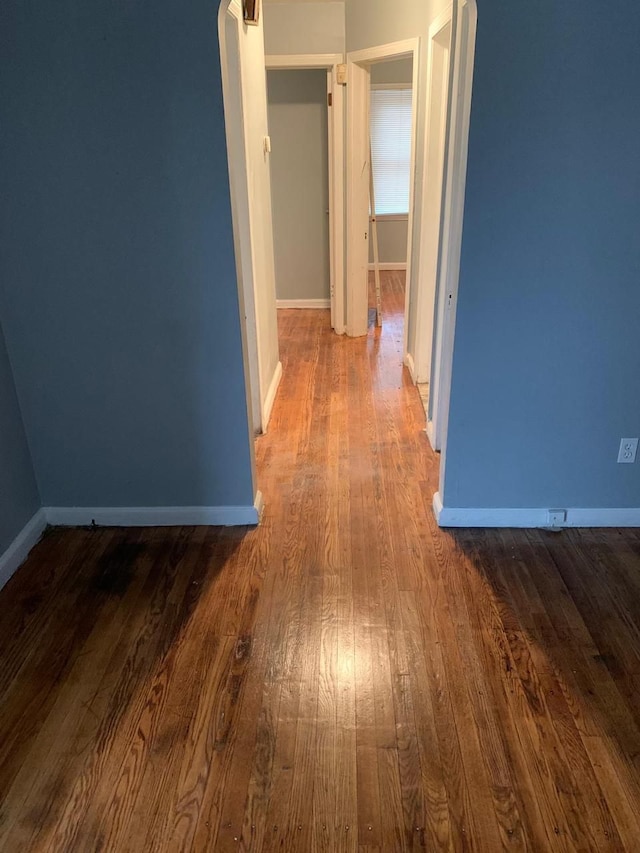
(306, 122)
(449, 57)
(359, 174)
(298, 129)
(306, 125)
(391, 123)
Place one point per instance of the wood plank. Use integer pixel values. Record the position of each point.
(346, 677)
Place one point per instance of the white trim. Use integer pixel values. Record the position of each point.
(259, 506)
(440, 49)
(271, 395)
(283, 62)
(330, 63)
(357, 144)
(393, 50)
(18, 550)
(230, 12)
(453, 216)
(383, 87)
(408, 360)
(156, 516)
(389, 266)
(303, 303)
(431, 435)
(532, 517)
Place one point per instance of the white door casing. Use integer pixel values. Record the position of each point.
(438, 64)
(453, 214)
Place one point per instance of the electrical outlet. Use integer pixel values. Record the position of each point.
(628, 450)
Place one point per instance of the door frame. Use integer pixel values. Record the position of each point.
(452, 225)
(440, 48)
(358, 168)
(230, 14)
(258, 321)
(328, 62)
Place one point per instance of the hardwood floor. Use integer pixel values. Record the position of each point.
(347, 677)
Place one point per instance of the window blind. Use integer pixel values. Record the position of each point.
(391, 149)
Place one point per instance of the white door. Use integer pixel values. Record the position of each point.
(358, 166)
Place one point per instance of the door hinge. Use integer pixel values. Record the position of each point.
(330, 99)
(341, 72)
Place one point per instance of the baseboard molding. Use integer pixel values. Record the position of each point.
(532, 517)
(271, 396)
(156, 516)
(431, 435)
(19, 549)
(303, 303)
(408, 360)
(259, 506)
(390, 266)
(215, 516)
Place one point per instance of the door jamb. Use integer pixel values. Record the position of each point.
(424, 320)
(447, 295)
(240, 198)
(328, 62)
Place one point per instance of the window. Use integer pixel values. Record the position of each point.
(391, 149)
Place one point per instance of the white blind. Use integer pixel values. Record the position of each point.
(391, 149)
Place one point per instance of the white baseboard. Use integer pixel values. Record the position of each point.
(303, 303)
(431, 435)
(156, 516)
(19, 549)
(532, 517)
(216, 516)
(271, 396)
(259, 506)
(408, 360)
(390, 266)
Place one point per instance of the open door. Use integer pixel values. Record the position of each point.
(358, 166)
(358, 156)
(335, 101)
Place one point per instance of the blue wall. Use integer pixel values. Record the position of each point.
(547, 352)
(19, 498)
(119, 295)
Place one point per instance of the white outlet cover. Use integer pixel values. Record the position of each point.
(628, 450)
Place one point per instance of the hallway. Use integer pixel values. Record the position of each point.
(345, 677)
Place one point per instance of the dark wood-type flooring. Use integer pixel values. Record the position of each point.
(346, 677)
